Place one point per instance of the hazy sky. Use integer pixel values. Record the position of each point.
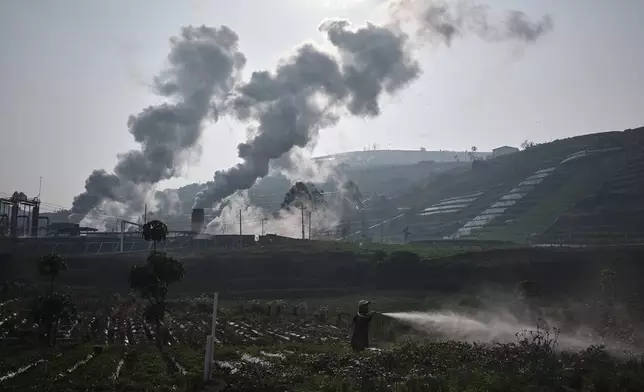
(74, 70)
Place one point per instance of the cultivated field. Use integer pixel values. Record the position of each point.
(264, 343)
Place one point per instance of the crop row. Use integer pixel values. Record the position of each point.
(128, 328)
(129, 357)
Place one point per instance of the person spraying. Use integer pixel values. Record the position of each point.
(360, 327)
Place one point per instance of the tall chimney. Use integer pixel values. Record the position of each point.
(197, 221)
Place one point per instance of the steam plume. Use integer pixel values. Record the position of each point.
(203, 66)
(311, 89)
(306, 93)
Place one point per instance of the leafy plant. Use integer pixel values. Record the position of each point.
(151, 281)
(50, 266)
(49, 310)
(52, 307)
(155, 231)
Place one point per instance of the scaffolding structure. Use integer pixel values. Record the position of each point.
(19, 216)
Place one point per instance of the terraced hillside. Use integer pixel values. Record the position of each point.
(580, 190)
(614, 213)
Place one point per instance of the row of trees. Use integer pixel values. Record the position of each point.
(302, 195)
(150, 281)
(308, 196)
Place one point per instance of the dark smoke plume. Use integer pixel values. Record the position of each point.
(307, 92)
(311, 89)
(203, 66)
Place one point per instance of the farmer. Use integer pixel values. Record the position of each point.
(360, 325)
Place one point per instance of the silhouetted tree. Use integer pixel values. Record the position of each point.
(473, 153)
(52, 307)
(298, 196)
(151, 281)
(50, 310)
(155, 231)
(527, 144)
(303, 195)
(50, 266)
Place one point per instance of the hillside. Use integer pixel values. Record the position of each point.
(389, 179)
(374, 158)
(584, 189)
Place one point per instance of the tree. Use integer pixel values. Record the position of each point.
(50, 266)
(155, 231)
(151, 281)
(473, 153)
(303, 195)
(50, 310)
(527, 144)
(298, 195)
(52, 307)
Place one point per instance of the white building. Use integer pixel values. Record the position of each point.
(503, 150)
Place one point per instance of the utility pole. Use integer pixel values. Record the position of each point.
(39, 188)
(382, 240)
(309, 225)
(145, 215)
(263, 220)
(122, 239)
(241, 238)
(302, 208)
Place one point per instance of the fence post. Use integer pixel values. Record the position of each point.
(207, 362)
(210, 340)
